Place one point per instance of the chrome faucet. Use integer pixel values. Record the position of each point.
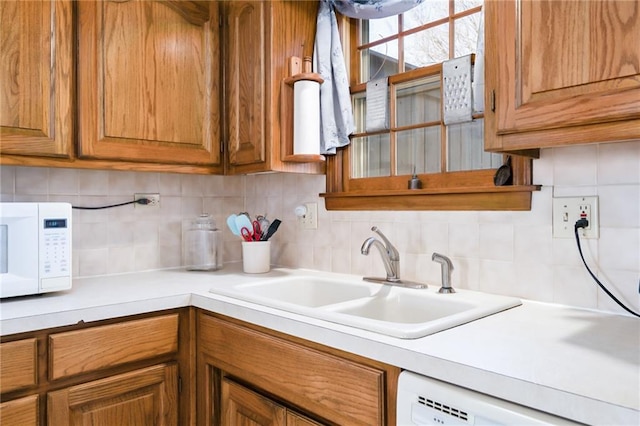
(388, 253)
(390, 259)
(446, 267)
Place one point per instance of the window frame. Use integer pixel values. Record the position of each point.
(460, 190)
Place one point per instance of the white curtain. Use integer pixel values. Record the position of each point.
(336, 115)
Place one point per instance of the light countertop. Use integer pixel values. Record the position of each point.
(579, 364)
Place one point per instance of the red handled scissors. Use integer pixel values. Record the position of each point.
(247, 235)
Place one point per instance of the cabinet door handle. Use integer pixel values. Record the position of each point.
(493, 101)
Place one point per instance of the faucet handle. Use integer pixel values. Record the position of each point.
(391, 250)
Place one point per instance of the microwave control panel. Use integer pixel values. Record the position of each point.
(56, 248)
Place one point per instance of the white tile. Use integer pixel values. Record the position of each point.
(619, 248)
(7, 180)
(624, 285)
(619, 163)
(92, 262)
(573, 286)
(122, 183)
(543, 168)
(63, 181)
(121, 260)
(533, 245)
(93, 182)
(32, 181)
(619, 206)
(496, 241)
(169, 184)
(575, 165)
(464, 239)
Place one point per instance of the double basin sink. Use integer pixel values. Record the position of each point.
(381, 308)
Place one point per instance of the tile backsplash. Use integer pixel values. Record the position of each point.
(511, 253)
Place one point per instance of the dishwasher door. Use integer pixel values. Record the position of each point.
(426, 401)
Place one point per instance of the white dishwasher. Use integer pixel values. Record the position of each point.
(426, 401)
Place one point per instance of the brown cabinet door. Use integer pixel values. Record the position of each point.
(146, 397)
(245, 77)
(566, 72)
(148, 80)
(23, 411)
(240, 406)
(36, 78)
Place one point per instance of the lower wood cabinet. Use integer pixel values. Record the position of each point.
(142, 397)
(131, 371)
(307, 379)
(242, 406)
(22, 411)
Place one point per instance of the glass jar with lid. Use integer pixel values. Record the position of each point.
(201, 244)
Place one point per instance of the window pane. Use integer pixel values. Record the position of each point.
(377, 29)
(359, 111)
(419, 148)
(462, 5)
(418, 102)
(370, 156)
(427, 47)
(380, 61)
(465, 147)
(426, 12)
(466, 34)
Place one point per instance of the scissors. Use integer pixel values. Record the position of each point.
(248, 235)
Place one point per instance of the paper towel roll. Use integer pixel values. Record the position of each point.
(306, 117)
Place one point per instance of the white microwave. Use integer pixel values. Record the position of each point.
(35, 248)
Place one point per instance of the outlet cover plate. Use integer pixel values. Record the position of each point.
(568, 210)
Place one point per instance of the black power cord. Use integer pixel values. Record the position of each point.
(143, 201)
(583, 223)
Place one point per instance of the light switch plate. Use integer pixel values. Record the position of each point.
(568, 210)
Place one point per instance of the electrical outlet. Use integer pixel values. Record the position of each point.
(309, 220)
(154, 200)
(568, 210)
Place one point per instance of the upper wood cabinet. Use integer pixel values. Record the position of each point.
(259, 37)
(561, 72)
(36, 78)
(148, 82)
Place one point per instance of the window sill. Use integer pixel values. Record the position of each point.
(517, 197)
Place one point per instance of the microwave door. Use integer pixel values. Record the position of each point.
(19, 245)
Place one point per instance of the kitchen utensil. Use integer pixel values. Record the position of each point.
(231, 223)
(271, 230)
(503, 175)
(251, 234)
(263, 221)
(243, 221)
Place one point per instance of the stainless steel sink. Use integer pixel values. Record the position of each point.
(394, 311)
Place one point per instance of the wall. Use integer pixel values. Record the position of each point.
(510, 253)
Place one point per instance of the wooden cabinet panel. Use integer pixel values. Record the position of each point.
(561, 72)
(259, 37)
(36, 78)
(148, 80)
(331, 387)
(141, 397)
(101, 347)
(18, 368)
(240, 406)
(23, 411)
(245, 94)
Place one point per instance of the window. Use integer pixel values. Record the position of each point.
(373, 171)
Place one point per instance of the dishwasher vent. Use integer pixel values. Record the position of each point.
(443, 408)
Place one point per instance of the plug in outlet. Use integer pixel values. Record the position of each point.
(154, 200)
(568, 210)
(307, 216)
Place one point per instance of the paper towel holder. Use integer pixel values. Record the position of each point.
(296, 73)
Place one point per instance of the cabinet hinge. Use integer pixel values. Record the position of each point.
(179, 384)
(493, 101)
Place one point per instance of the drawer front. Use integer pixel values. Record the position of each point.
(23, 411)
(336, 389)
(101, 347)
(18, 368)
